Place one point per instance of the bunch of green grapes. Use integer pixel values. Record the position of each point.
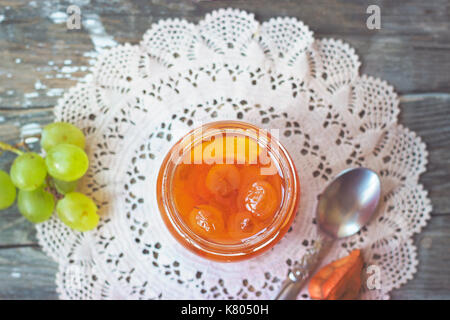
(42, 182)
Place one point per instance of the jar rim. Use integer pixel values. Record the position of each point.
(260, 240)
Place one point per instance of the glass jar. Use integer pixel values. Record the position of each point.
(182, 154)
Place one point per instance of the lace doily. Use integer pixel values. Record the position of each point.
(144, 97)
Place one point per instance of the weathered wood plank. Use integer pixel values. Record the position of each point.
(12, 121)
(432, 280)
(40, 56)
(26, 273)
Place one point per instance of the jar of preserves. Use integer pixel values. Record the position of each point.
(228, 191)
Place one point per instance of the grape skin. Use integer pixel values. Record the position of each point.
(78, 211)
(67, 162)
(61, 132)
(64, 187)
(7, 191)
(37, 205)
(28, 171)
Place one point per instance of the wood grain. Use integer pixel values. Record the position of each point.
(410, 50)
(434, 258)
(26, 273)
(41, 58)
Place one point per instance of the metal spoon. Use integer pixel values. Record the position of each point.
(344, 207)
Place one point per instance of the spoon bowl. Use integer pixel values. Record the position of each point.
(348, 202)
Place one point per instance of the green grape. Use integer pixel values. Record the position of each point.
(7, 191)
(28, 171)
(67, 162)
(37, 205)
(78, 211)
(64, 187)
(61, 132)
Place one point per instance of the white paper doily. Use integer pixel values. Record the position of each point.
(144, 97)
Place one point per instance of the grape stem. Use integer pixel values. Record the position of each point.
(22, 144)
(7, 147)
(51, 188)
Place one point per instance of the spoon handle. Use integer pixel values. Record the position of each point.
(301, 271)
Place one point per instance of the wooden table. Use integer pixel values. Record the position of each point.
(40, 58)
